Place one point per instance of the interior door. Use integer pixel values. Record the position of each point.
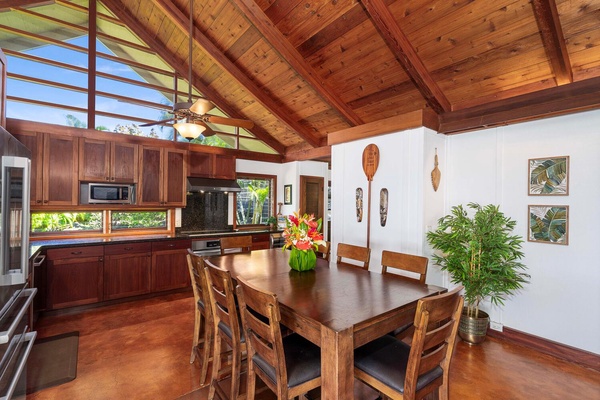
(312, 195)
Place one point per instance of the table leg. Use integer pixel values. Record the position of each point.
(337, 364)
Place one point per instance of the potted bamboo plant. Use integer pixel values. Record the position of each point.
(482, 254)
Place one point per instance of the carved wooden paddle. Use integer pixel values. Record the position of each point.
(370, 163)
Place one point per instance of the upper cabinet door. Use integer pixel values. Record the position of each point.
(124, 162)
(208, 165)
(162, 177)
(104, 161)
(60, 184)
(175, 185)
(94, 160)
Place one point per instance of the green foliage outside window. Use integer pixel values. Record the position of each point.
(254, 202)
(67, 221)
(138, 219)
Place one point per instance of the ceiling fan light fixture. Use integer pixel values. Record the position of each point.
(202, 106)
(189, 130)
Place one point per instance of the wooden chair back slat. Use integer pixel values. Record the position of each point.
(404, 262)
(236, 244)
(355, 253)
(435, 315)
(324, 251)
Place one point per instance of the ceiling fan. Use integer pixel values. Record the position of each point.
(193, 115)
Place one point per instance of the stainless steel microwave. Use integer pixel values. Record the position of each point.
(106, 193)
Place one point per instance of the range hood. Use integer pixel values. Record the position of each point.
(212, 185)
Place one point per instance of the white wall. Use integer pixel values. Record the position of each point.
(288, 174)
(562, 301)
(406, 161)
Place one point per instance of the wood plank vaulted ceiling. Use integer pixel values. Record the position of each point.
(315, 72)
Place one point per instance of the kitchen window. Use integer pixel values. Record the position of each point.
(89, 222)
(122, 220)
(54, 222)
(256, 202)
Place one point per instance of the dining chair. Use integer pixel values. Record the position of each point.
(324, 251)
(352, 252)
(290, 366)
(203, 326)
(400, 371)
(236, 244)
(226, 320)
(405, 263)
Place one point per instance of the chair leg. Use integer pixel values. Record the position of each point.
(251, 382)
(216, 366)
(207, 353)
(235, 372)
(197, 324)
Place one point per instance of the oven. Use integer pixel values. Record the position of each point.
(206, 247)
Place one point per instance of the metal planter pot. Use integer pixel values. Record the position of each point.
(473, 330)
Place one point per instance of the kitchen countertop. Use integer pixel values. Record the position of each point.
(36, 246)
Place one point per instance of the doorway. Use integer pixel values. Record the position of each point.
(312, 195)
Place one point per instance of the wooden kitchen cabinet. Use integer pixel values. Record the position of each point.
(208, 165)
(169, 265)
(54, 162)
(74, 276)
(163, 175)
(127, 269)
(261, 241)
(106, 161)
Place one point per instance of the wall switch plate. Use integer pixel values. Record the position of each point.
(497, 326)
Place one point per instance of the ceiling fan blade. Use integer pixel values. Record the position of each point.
(162, 122)
(208, 132)
(242, 123)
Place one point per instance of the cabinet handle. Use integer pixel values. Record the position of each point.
(106, 178)
(171, 245)
(100, 259)
(128, 248)
(112, 179)
(45, 201)
(76, 252)
(38, 202)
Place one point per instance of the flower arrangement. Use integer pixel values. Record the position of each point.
(302, 232)
(302, 235)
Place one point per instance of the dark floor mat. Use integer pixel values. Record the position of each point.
(52, 361)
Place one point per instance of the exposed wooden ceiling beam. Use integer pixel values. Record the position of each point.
(575, 97)
(318, 153)
(8, 4)
(547, 19)
(182, 21)
(406, 54)
(265, 26)
(414, 119)
(181, 69)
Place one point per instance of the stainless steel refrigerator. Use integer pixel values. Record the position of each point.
(16, 293)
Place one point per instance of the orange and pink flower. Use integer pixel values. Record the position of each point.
(302, 232)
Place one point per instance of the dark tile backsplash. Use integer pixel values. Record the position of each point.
(205, 211)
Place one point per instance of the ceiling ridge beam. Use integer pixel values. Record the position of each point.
(124, 15)
(182, 21)
(274, 36)
(406, 55)
(546, 15)
(575, 97)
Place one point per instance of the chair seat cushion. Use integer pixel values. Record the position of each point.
(227, 331)
(386, 359)
(302, 361)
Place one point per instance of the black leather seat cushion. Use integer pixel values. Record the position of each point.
(302, 361)
(386, 359)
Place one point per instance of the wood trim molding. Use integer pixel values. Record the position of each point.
(415, 119)
(555, 349)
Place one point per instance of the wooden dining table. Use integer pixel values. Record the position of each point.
(337, 308)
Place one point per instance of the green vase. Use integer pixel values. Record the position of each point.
(302, 260)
